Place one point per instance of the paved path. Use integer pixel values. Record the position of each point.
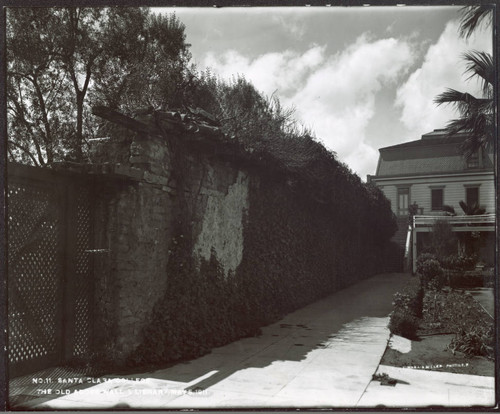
(322, 355)
(423, 388)
(486, 299)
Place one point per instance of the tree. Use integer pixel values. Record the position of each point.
(258, 122)
(151, 71)
(62, 60)
(35, 84)
(473, 17)
(476, 114)
(443, 239)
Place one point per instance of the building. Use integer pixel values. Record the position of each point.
(429, 175)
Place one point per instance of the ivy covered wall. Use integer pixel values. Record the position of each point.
(206, 248)
(257, 249)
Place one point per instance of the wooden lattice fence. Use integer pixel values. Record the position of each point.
(49, 230)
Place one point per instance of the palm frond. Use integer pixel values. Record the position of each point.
(464, 207)
(476, 114)
(472, 17)
(471, 209)
(480, 132)
(462, 101)
(480, 64)
(478, 209)
(456, 126)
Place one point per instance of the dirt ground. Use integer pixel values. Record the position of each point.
(431, 352)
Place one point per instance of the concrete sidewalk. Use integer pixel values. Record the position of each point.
(424, 388)
(322, 355)
(486, 298)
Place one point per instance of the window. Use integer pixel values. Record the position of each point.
(472, 196)
(437, 198)
(403, 200)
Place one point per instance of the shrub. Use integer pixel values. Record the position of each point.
(404, 324)
(476, 341)
(422, 259)
(458, 262)
(410, 300)
(467, 279)
(431, 274)
(405, 320)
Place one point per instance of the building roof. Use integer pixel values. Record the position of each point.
(434, 153)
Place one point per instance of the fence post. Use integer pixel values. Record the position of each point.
(414, 250)
(70, 221)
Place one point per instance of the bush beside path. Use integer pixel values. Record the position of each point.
(449, 330)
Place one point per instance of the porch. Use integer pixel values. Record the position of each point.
(424, 224)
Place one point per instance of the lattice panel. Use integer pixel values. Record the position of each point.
(35, 271)
(83, 274)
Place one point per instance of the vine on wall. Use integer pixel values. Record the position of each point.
(296, 250)
(199, 310)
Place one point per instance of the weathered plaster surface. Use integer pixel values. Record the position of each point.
(222, 224)
(138, 230)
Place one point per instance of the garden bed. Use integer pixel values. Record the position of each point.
(431, 352)
(457, 312)
(450, 331)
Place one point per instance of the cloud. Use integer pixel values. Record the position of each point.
(338, 99)
(333, 95)
(271, 72)
(441, 68)
(291, 25)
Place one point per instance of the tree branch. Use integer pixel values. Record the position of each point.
(26, 151)
(48, 134)
(21, 116)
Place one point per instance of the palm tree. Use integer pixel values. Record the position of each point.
(471, 210)
(472, 17)
(476, 115)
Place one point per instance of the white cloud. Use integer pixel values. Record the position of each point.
(338, 99)
(442, 68)
(335, 95)
(269, 72)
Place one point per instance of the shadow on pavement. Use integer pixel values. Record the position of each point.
(293, 338)
(341, 320)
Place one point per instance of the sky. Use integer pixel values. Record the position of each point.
(361, 78)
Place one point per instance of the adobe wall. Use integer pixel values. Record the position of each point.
(278, 248)
(136, 227)
(136, 217)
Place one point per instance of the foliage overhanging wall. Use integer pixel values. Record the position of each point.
(296, 249)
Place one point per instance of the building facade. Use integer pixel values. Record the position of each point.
(431, 177)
